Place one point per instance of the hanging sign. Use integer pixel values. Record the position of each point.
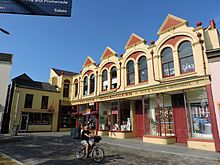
(37, 7)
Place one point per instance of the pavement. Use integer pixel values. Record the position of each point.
(175, 149)
(137, 144)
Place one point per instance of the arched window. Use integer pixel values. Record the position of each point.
(130, 73)
(85, 86)
(113, 77)
(76, 89)
(104, 80)
(142, 69)
(66, 87)
(92, 83)
(167, 62)
(186, 57)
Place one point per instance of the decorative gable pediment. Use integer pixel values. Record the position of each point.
(171, 22)
(108, 53)
(89, 61)
(134, 40)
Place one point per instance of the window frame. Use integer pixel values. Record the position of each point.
(92, 84)
(44, 105)
(130, 73)
(186, 57)
(142, 69)
(28, 104)
(168, 63)
(66, 88)
(116, 76)
(85, 86)
(103, 80)
(76, 88)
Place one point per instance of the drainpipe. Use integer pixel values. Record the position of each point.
(199, 35)
(79, 87)
(152, 54)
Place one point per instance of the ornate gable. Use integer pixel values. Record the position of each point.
(171, 22)
(133, 40)
(108, 53)
(89, 61)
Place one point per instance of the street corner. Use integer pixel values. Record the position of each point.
(7, 160)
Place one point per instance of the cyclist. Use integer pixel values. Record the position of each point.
(85, 139)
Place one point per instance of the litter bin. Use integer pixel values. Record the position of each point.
(75, 133)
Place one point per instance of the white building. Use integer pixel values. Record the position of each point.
(5, 69)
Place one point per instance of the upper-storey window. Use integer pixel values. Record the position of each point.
(104, 80)
(66, 87)
(186, 57)
(28, 101)
(130, 73)
(113, 77)
(92, 83)
(142, 69)
(167, 62)
(44, 102)
(76, 89)
(85, 86)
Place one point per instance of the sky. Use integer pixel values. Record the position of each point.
(39, 43)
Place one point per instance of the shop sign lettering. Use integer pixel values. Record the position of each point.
(37, 7)
(143, 92)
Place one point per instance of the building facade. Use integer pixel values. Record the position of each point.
(161, 92)
(31, 106)
(5, 69)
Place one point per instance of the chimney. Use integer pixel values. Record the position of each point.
(212, 24)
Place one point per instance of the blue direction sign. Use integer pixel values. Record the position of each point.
(37, 7)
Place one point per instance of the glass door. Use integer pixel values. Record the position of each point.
(24, 122)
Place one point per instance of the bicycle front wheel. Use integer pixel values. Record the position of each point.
(98, 155)
(80, 152)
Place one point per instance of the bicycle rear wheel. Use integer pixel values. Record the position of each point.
(98, 155)
(80, 152)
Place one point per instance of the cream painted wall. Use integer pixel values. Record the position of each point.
(19, 100)
(189, 33)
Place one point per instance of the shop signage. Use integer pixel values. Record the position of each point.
(150, 90)
(37, 7)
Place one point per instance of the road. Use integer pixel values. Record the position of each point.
(58, 149)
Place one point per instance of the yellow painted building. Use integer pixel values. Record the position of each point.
(31, 106)
(160, 92)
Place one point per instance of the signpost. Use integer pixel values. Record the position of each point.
(37, 7)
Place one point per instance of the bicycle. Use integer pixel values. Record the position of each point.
(98, 154)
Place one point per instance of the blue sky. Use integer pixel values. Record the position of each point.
(41, 42)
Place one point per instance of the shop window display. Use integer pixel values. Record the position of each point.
(104, 116)
(158, 121)
(200, 114)
(40, 119)
(120, 116)
(87, 116)
(65, 115)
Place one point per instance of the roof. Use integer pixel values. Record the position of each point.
(25, 81)
(60, 72)
(5, 57)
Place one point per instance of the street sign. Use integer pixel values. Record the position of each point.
(37, 7)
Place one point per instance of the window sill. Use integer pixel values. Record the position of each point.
(179, 76)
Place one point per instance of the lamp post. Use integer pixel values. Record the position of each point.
(4, 31)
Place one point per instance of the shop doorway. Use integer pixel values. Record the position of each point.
(24, 122)
(179, 113)
(139, 119)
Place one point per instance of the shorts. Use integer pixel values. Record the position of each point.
(84, 142)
